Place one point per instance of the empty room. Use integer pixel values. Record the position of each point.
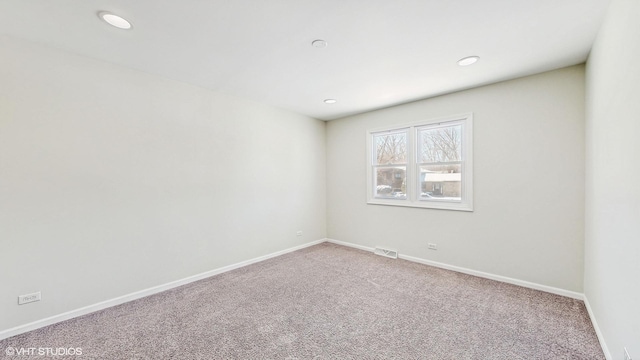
(340, 179)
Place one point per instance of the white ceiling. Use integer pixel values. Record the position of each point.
(380, 52)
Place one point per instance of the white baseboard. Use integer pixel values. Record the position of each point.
(527, 284)
(603, 345)
(142, 293)
(344, 243)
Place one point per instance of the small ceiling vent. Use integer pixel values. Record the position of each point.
(386, 252)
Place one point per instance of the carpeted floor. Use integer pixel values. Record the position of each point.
(331, 302)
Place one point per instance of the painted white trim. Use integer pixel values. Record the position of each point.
(527, 284)
(143, 293)
(344, 243)
(504, 279)
(603, 345)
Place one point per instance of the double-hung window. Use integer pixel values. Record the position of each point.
(426, 164)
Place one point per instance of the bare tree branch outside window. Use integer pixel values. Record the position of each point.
(391, 149)
(441, 144)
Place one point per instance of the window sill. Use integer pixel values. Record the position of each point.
(440, 205)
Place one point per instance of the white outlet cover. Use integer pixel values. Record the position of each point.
(29, 298)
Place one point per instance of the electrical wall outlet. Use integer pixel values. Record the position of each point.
(29, 298)
(432, 246)
(299, 233)
(626, 355)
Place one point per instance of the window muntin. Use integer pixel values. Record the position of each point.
(426, 164)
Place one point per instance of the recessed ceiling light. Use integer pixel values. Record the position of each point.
(468, 60)
(330, 101)
(114, 20)
(319, 44)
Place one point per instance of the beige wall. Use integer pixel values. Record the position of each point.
(528, 218)
(113, 181)
(612, 245)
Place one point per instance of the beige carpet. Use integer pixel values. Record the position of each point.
(330, 302)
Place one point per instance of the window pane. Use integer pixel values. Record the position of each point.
(441, 182)
(390, 148)
(442, 144)
(390, 182)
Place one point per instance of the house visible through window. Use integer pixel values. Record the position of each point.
(426, 164)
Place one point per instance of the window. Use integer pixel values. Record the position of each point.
(390, 164)
(426, 164)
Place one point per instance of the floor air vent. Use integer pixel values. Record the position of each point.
(386, 252)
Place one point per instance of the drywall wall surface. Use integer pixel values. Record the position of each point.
(528, 218)
(114, 181)
(612, 243)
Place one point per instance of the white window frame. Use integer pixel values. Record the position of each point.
(412, 183)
